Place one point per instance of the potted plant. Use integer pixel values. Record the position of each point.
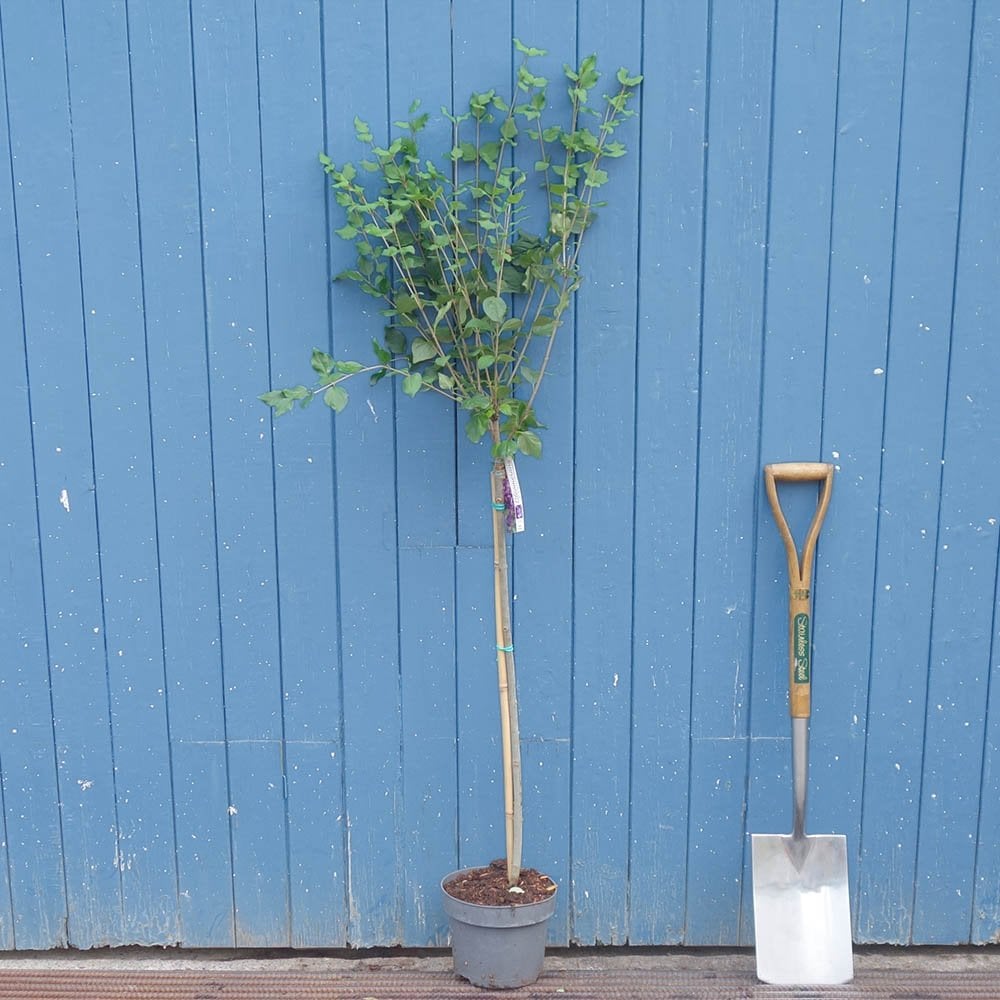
(474, 296)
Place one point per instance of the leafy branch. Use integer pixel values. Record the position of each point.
(466, 287)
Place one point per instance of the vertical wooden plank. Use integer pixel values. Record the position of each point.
(728, 470)
(603, 519)
(480, 782)
(542, 559)
(675, 47)
(923, 266)
(354, 44)
(226, 80)
(260, 861)
(291, 109)
(805, 101)
(425, 473)
(964, 595)
(986, 898)
(316, 828)
(425, 428)
(98, 58)
(163, 106)
(964, 603)
(976, 302)
(427, 629)
(203, 814)
(42, 154)
(478, 64)
(872, 39)
(33, 904)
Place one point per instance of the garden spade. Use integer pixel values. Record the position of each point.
(800, 900)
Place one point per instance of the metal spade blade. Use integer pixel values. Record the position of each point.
(802, 911)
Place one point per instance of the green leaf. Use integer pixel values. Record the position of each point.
(495, 308)
(412, 383)
(526, 50)
(273, 397)
(283, 400)
(381, 353)
(336, 398)
(488, 152)
(445, 381)
(485, 361)
(504, 449)
(441, 313)
(560, 223)
(423, 350)
(322, 363)
(348, 367)
(529, 443)
(628, 81)
(362, 130)
(477, 426)
(395, 340)
(479, 402)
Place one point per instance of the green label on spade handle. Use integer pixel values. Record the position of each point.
(800, 646)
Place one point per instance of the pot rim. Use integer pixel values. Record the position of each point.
(496, 906)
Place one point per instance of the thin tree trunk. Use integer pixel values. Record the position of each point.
(509, 727)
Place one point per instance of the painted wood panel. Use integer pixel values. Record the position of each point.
(733, 285)
(672, 158)
(862, 233)
(41, 151)
(248, 669)
(807, 43)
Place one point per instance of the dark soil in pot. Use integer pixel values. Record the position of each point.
(488, 886)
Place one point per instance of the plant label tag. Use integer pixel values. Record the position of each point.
(515, 505)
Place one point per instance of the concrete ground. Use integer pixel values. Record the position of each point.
(570, 974)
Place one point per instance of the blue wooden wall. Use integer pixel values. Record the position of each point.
(246, 672)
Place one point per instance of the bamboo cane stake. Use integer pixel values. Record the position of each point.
(509, 728)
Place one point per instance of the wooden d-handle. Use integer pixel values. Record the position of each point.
(799, 574)
(799, 472)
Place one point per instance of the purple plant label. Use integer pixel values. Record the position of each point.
(512, 497)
